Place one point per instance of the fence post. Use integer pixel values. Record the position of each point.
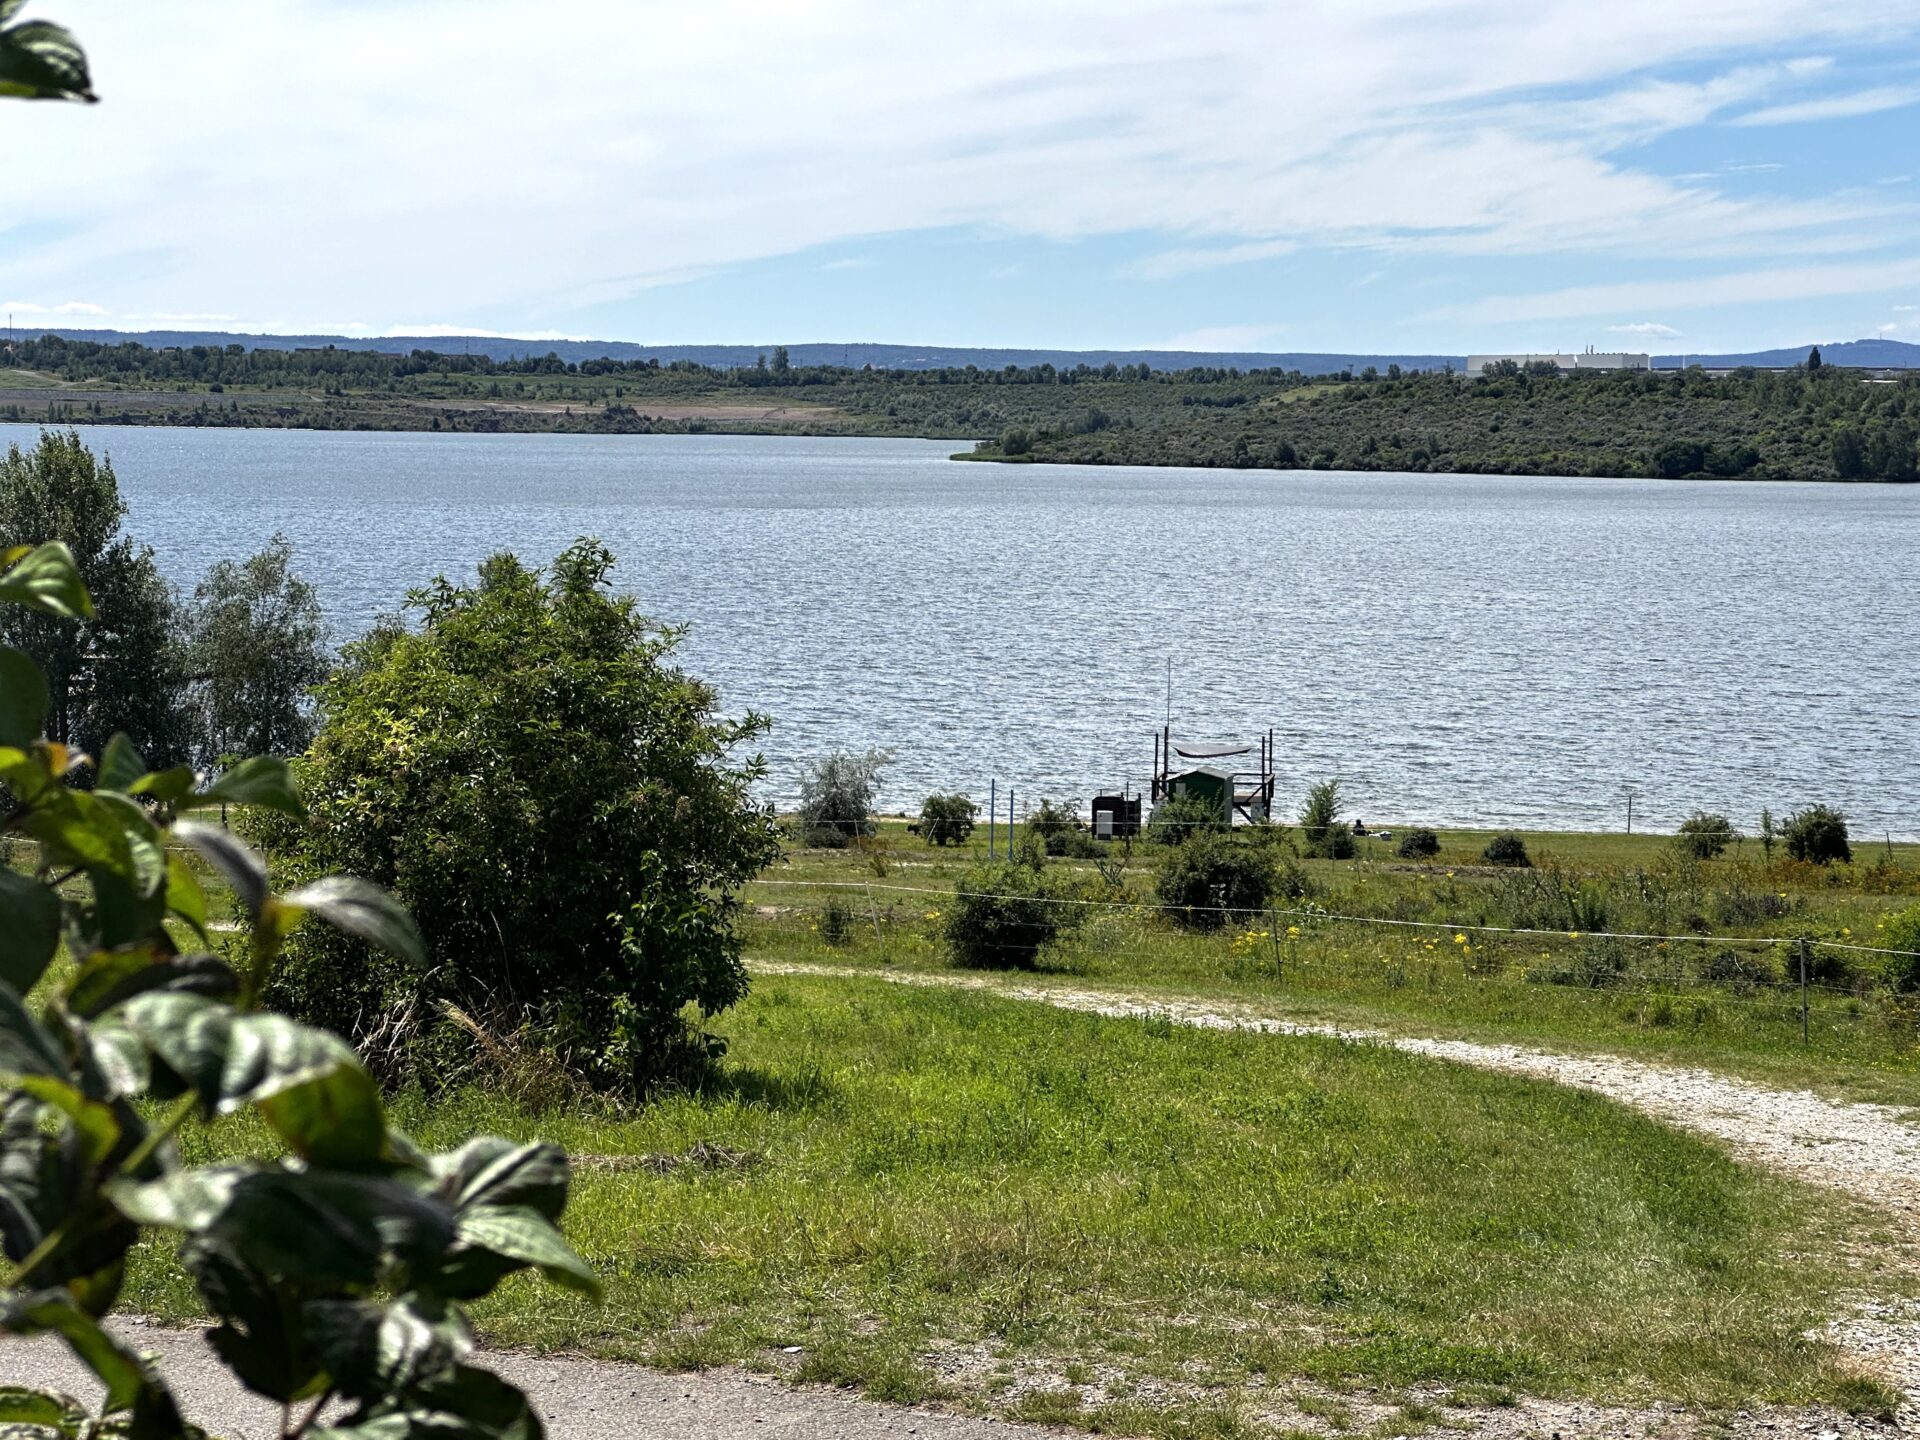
(879, 941)
(1279, 953)
(1803, 947)
(993, 813)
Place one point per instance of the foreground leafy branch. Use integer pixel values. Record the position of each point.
(40, 60)
(335, 1275)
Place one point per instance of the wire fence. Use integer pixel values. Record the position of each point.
(1801, 983)
(994, 809)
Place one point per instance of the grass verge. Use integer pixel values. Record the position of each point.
(1136, 1226)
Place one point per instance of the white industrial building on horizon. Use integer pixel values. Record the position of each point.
(1589, 359)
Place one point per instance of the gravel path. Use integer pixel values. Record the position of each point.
(579, 1399)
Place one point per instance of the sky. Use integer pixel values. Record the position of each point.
(1379, 176)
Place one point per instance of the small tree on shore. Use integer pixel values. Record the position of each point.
(947, 819)
(1817, 834)
(1705, 836)
(837, 796)
(254, 650)
(1327, 836)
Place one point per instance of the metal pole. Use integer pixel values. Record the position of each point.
(1009, 820)
(1803, 992)
(993, 813)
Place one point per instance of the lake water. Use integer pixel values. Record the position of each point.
(1456, 648)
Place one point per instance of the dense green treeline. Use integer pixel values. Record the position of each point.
(1818, 424)
(1792, 425)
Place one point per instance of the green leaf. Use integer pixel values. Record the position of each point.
(319, 1227)
(239, 866)
(25, 1046)
(259, 1334)
(23, 698)
(363, 909)
(186, 899)
(109, 978)
(120, 1058)
(95, 1123)
(29, 929)
(265, 781)
(60, 1414)
(45, 577)
(188, 1033)
(120, 765)
(42, 61)
(101, 832)
(516, 1232)
(373, 1351)
(490, 1171)
(167, 787)
(310, 1087)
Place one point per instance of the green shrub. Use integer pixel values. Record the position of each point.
(1213, 878)
(836, 797)
(836, 921)
(1418, 845)
(1705, 836)
(1180, 818)
(1508, 850)
(1902, 932)
(1327, 836)
(297, 1252)
(947, 819)
(1055, 825)
(1083, 846)
(561, 810)
(1003, 915)
(1817, 835)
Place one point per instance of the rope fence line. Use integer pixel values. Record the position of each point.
(1873, 828)
(1316, 914)
(1780, 999)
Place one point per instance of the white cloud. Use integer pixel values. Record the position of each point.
(1832, 107)
(1652, 329)
(1171, 263)
(68, 307)
(1747, 287)
(420, 158)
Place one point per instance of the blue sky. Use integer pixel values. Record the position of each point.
(1400, 176)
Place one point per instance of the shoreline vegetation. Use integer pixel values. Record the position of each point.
(1815, 423)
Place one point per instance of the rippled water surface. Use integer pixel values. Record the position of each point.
(1456, 648)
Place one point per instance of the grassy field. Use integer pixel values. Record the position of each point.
(1148, 1229)
(1696, 995)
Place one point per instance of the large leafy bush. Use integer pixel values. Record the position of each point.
(561, 810)
(335, 1273)
(1003, 915)
(837, 797)
(1817, 834)
(1213, 878)
(947, 819)
(1704, 835)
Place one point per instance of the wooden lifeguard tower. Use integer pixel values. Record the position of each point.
(1210, 772)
